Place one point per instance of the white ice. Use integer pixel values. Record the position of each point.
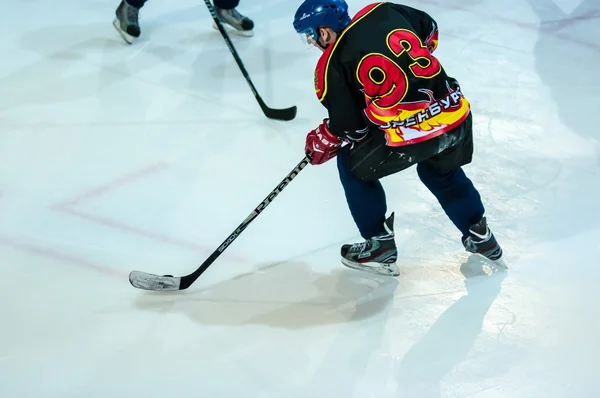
(117, 157)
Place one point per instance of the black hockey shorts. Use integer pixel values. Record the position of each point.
(372, 159)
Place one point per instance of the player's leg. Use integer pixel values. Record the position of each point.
(367, 203)
(360, 168)
(462, 204)
(232, 19)
(127, 19)
(460, 200)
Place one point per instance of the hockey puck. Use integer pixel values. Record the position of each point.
(168, 276)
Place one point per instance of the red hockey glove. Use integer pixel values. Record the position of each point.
(321, 144)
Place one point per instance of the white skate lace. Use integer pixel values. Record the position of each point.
(359, 246)
(470, 245)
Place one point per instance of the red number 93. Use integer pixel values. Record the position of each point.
(382, 80)
(402, 40)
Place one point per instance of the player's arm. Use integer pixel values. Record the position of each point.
(345, 121)
(344, 107)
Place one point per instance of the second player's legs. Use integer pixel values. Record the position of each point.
(136, 3)
(222, 4)
(127, 18)
(226, 4)
(232, 19)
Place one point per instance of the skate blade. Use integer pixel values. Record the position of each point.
(230, 29)
(376, 269)
(127, 37)
(498, 263)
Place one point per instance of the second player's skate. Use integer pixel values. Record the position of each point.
(234, 21)
(126, 21)
(376, 255)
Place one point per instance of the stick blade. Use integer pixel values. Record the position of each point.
(146, 281)
(280, 114)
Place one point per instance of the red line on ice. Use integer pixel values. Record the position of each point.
(111, 186)
(55, 255)
(69, 207)
(530, 26)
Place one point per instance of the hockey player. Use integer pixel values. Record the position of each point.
(127, 18)
(392, 102)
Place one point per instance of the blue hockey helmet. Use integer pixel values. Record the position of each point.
(313, 14)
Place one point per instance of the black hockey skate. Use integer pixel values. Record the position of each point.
(482, 241)
(376, 255)
(235, 22)
(126, 21)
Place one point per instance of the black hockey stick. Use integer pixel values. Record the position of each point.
(146, 281)
(280, 114)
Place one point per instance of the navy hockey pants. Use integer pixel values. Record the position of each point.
(223, 4)
(441, 173)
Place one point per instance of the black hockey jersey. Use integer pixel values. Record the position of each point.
(381, 72)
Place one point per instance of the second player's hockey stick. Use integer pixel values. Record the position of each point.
(146, 281)
(271, 113)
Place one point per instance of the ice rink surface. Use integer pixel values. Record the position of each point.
(117, 157)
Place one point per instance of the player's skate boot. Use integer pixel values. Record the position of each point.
(482, 241)
(235, 22)
(377, 255)
(126, 21)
